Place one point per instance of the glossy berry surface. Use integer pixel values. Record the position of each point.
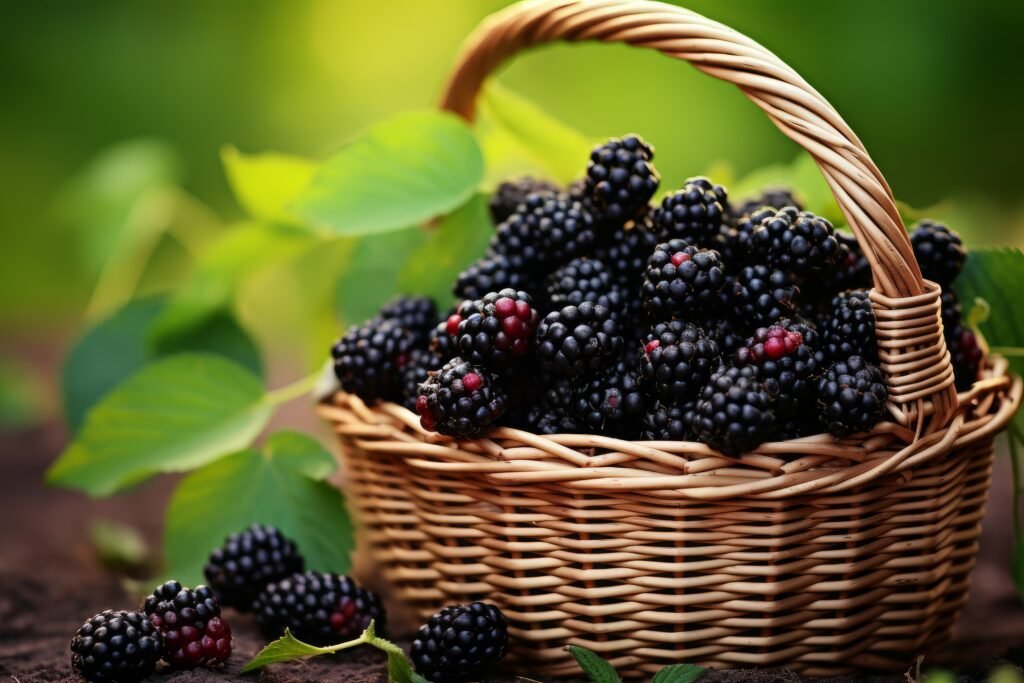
(116, 647)
(247, 561)
(194, 632)
(460, 644)
(461, 399)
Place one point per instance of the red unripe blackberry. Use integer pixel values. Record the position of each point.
(795, 241)
(499, 328)
(785, 355)
(620, 178)
(247, 561)
(577, 340)
(851, 396)
(510, 194)
(194, 632)
(734, 413)
(677, 360)
(461, 400)
(694, 213)
(681, 280)
(116, 647)
(939, 252)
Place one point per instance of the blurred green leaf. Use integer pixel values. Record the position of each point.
(266, 184)
(802, 176)
(403, 171)
(678, 673)
(985, 276)
(596, 668)
(1006, 673)
(21, 395)
(374, 272)
(173, 415)
(118, 546)
(281, 484)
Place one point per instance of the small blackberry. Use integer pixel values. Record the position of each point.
(577, 340)
(939, 252)
(584, 280)
(852, 269)
(734, 413)
(460, 644)
(460, 400)
(116, 647)
(785, 355)
(694, 213)
(499, 329)
(952, 312)
(729, 334)
(966, 355)
(510, 194)
(415, 373)
(189, 621)
(492, 273)
(369, 358)
(319, 608)
(771, 197)
(625, 255)
(668, 422)
(682, 280)
(416, 314)
(620, 178)
(554, 412)
(760, 294)
(249, 560)
(740, 238)
(677, 360)
(851, 396)
(547, 230)
(611, 401)
(796, 241)
(849, 329)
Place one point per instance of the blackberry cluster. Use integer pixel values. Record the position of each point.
(939, 252)
(499, 328)
(555, 411)
(416, 372)
(796, 241)
(193, 631)
(249, 560)
(786, 357)
(677, 361)
(620, 179)
(546, 230)
(681, 280)
(851, 396)
(461, 643)
(510, 194)
(694, 213)
(460, 400)
(116, 647)
(577, 340)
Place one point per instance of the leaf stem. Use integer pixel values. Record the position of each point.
(290, 392)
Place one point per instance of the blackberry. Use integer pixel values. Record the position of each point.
(585, 280)
(416, 314)
(677, 360)
(668, 422)
(939, 252)
(460, 644)
(852, 269)
(546, 230)
(740, 239)
(319, 608)
(415, 373)
(761, 294)
(611, 402)
(620, 178)
(681, 280)
(499, 329)
(966, 355)
(510, 194)
(771, 197)
(189, 621)
(369, 358)
(554, 411)
(489, 274)
(625, 255)
(444, 339)
(796, 426)
(249, 560)
(734, 413)
(796, 241)
(116, 647)
(851, 396)
(952, 312)
(849, 329)
(577, 340)
(729, 334)
(785, 355)
(461, 400)
(693, 213)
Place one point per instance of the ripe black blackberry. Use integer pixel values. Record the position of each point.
(620, 178)
(734, 413)
(677, 360)
(796, 241)
(849, 329)
(611, 402)
(939, 252)
(499, 329)
(851, 396)
(189, 620)
(966, 355)
(739, 239)
(681, 280)
(625, 254)
(461, 400)
(460, 644)
(852, 269)
(545, 231)
(369, 358)
(249, 560)
(771, 197)
(729, 334)
(761, 294)
(444, 338)
(511, 193)
(554, 412)
(116, 647)
(694, 213)
(319, 609)
(669, 422)
(577, 340)
(582, 280)
(492, 273)
(417, 314)
(415, 373)
(952, 312)
(796, 426)
(786, 357)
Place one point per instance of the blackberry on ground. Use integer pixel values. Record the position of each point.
(416, 372)
(461, 400)
(610, 402)
(510, 194)
(682, 280)
(966, 355)
(460, 644)
(851, 396)
(116, 647)
(939, 252)
(785, 355)
(620, 178)
(417, 314)
(952, 312)
(249, 560)
(585, 280)
(369, 358)
(761, 294)
(547, 230)
(577, 340)
(677, 360)
(491, 273)
(499, 329)
(771, 197)
(849, 329)
(734, 413)
(189, 620)
(694, 213)
(796, 241)
(319, 608)
(669, 422)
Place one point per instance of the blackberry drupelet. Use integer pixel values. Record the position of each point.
(189, 620)
(966, 355)
(116, 647)
(415, 373)
(499, 329)
(734, 413)
(694, 213)
(849, 329)
(584, 280)
(785, 355)
(461, 400)
(319, 608)
(492, 273)
(577, 340)
(771, 197)
(620, 179)
(760, 294)
(546, 231)
(677, 360)
(511, 193)
(851, 396)
(795, 241)
(369, 358)
(668, 422)
(460, 644)
(416, 314)
(681, 280)
(939, 252)
(250, 559)
(610, 402)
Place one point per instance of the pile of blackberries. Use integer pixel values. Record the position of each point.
(594, 311)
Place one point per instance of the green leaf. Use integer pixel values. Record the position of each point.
(173, 415)
(597, 670)
(985, 276)
(266, 184)
(21, 395)
(803, 176)
(518, 138)
(679, 673)
(402, 172)
(399, 668)
(288, 647)
(374, 270)
(118, 546)
(281, 484)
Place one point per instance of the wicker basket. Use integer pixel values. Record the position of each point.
(816, 554)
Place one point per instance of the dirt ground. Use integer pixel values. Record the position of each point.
(50, 582)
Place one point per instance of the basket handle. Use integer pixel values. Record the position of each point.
(911, 343)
